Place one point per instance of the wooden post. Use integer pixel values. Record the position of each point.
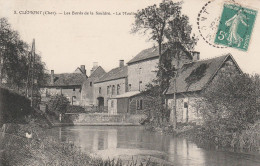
(33, 61)
(174, 110)
(1, 67)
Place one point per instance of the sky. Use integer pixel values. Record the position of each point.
(65, 40)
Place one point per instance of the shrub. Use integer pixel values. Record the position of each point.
(13, 106)
(229, 108)
(58, 104)
(75, 109)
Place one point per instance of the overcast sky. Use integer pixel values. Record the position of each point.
(68, 41)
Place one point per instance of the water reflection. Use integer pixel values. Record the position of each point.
(117, 141)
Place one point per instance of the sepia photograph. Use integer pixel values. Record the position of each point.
(129, 83)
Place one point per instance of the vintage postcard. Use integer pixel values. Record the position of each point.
(129, 82)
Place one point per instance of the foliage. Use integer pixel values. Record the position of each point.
(156, 115)
(232, 101)
(75, 109)
(13, 107)
(58, 104)
(248, 139)
(170, 30)
(15, 60)
(229, 107)
(154, 20)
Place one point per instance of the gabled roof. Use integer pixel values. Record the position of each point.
(98, 72)
(67, 79)
(116, 73)
(153, 52)
(146, 54)
(196, 75)
(78, 70)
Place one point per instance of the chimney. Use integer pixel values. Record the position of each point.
(121, 63)
(95, 66)
(52, 77)
(195, 55)
(82, 67)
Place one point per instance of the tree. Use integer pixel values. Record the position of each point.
(180, 40)
(58, 104)
(170, 29)
(15, 60)
(154, 20)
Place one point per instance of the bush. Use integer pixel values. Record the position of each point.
(229, 107)
(75, 109)
(13, 107)
(58, 104)
(231, 102)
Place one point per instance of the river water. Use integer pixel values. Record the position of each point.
(115, 141)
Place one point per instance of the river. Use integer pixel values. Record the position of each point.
(116, 141)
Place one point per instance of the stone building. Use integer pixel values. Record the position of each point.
(142, 70)
(87, 93)
(193, 78)
(109, 85)
(68, 84)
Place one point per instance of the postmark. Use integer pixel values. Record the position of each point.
(207, 22)
(235, 26)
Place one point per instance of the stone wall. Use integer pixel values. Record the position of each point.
(194, 99)
(191, 112)
(141, 71)
(103, 85)
(99, 118)
(67, 92)
(133, 109)
(87, 93)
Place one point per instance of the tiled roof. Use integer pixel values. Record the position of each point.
(98, 72)
(116, 73)
(195, 75)
(67, 79)
(146, 54)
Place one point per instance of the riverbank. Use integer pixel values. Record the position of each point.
(35, 143)
(245, 141)
(95, 119)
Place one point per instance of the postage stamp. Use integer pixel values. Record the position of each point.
(235, 26)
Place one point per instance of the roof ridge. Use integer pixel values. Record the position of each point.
(205, 59)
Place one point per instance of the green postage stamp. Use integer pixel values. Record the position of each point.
(235, 26)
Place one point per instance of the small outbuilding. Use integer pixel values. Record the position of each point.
(124, 103)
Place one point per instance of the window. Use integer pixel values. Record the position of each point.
(118, 89)
(140, 70)
(139, 104)
(108, 90)
(129, 87)
(99, 90)
(140, 83)
(113, 89)
(112, 103)
(90, 84)
(73, 89)
(185, 105)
